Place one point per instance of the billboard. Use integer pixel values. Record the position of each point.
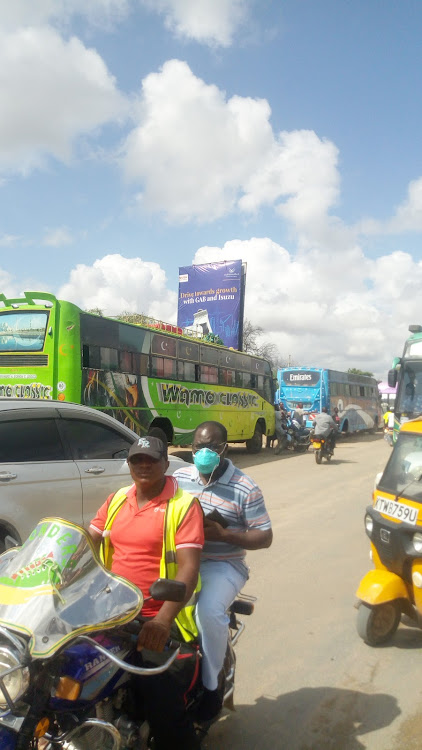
(211, 300)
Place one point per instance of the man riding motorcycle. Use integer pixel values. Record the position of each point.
(156, 530)
(324, 426)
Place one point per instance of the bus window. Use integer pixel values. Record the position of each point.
(209, 374)
(186, 371)
(245, 380)
(91, 357)
(125, 362)
(188, 350)
(227, 376)
(140, 363)
(362, 390)
(108, 358)
(209, 356)
(268, 389)
(163, 345)
(334, 389)
(163, 368)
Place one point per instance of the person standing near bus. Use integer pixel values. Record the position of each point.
(297, 414)
(242, 524)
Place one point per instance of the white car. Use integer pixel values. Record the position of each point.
(58, 459)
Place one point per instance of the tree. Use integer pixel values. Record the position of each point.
(354, 371)
(130, 317)
(95, 311)
(254, 344)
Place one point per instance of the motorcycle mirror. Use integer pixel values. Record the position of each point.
(163, 589)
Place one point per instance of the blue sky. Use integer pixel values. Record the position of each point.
(137, 136)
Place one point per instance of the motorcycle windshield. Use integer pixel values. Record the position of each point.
(54, 588)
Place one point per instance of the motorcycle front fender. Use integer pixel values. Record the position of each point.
(379, 586)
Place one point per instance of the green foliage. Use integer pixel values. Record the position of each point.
(354, 371)
(129, 317)
(95, 311)
(213, 338)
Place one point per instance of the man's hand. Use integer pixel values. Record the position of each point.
(213, 531)
(154, 635)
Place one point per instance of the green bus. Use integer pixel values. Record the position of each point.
(146, 376)
(406, 373)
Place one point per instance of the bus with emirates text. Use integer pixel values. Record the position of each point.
(146, 376)
(354, 398)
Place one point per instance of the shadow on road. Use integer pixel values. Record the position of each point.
(321, 718)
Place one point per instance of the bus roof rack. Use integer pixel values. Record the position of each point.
(415, 329)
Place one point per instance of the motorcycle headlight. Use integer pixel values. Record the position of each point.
(417, 541)
(369, 524)
(15, 681)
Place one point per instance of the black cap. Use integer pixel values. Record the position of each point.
(148, 446)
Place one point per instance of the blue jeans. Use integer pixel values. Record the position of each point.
(221, 582)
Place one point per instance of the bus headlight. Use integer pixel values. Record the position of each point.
(369, 524)
(16, 682)
(417, 541)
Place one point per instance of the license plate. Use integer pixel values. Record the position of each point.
(316, 445)
(396, 510)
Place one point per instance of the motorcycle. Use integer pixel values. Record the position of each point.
(393, 524)
(297, 437)
(322, 448)
(67, 631)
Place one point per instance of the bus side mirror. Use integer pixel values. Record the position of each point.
(392, 378)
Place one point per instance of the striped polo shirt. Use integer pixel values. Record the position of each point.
(236, 496)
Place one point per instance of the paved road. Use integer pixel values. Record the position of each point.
(305, 681)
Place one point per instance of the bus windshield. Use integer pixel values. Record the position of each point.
(409, 399)
(22, 331)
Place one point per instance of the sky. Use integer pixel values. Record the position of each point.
(138, 136)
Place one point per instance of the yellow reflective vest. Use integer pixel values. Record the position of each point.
(176, 509)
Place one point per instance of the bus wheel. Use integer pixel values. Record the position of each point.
(254, 445)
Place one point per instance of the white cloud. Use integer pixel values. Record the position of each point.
(15, 13)
(57, 237)
(8, 240)
(408, 216)
(212, 22)
(327, 311)
(116, 284)
(201, 156)
(51, 92)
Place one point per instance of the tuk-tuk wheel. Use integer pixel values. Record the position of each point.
(377, 625)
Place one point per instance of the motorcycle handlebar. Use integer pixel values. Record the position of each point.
(130, 667)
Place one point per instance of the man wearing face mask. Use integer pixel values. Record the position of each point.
(241, 523)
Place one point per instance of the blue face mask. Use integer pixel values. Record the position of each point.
(206, 460)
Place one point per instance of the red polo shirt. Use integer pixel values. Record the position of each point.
(137, 537)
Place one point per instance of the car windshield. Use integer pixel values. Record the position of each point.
(23, 331)
(409, 398)
(403, 473)
(53, 588)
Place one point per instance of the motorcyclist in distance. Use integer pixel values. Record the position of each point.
(324, 426)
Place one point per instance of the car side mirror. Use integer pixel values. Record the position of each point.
(392, 378)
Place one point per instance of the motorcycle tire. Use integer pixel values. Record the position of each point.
(376, 625)
(318, 456)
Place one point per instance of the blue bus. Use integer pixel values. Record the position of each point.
(355, 397)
